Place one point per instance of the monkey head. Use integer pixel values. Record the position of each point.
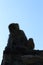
(13, 26)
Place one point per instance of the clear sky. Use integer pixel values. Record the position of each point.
(29, 15)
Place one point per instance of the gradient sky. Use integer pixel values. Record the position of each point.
(29, 15)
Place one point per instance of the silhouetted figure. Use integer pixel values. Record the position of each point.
(17, 37)
(19, 50)
(30, 44)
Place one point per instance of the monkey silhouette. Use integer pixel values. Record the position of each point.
(17, 37)
(30, 44)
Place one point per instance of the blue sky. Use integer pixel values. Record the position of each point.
(29, 15)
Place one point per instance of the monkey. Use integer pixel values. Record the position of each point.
(30, 44)
(17, 37)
